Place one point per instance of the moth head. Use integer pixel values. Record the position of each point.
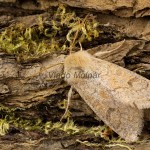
(79, 60)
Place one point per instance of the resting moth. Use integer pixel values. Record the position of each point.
(117, 96)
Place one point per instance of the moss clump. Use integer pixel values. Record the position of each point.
(63, 30)
(10, 117)
(79, 29)
(26, 43)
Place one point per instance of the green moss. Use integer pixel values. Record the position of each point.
(68, 128)
(64, 30)
(4, 126)
(10, 116)
(25, 44)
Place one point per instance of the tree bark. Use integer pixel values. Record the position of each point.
(28, 85)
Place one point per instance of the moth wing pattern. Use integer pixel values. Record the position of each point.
(126, 86)
(115, 96)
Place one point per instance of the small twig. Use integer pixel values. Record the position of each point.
(120, 145)
(87, 143)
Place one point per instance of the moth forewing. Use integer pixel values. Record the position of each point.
(114, 94)
(125, 86)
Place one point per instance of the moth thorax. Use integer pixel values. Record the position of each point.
(80, 59)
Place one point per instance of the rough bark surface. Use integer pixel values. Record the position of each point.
(126, 42)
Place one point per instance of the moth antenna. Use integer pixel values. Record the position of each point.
(34, 75)
(120, 45)
(81, 49)
(77, 33)
(68, 103)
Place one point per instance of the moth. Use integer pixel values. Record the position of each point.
(116, 95)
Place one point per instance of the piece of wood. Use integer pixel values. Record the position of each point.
(122, 8)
